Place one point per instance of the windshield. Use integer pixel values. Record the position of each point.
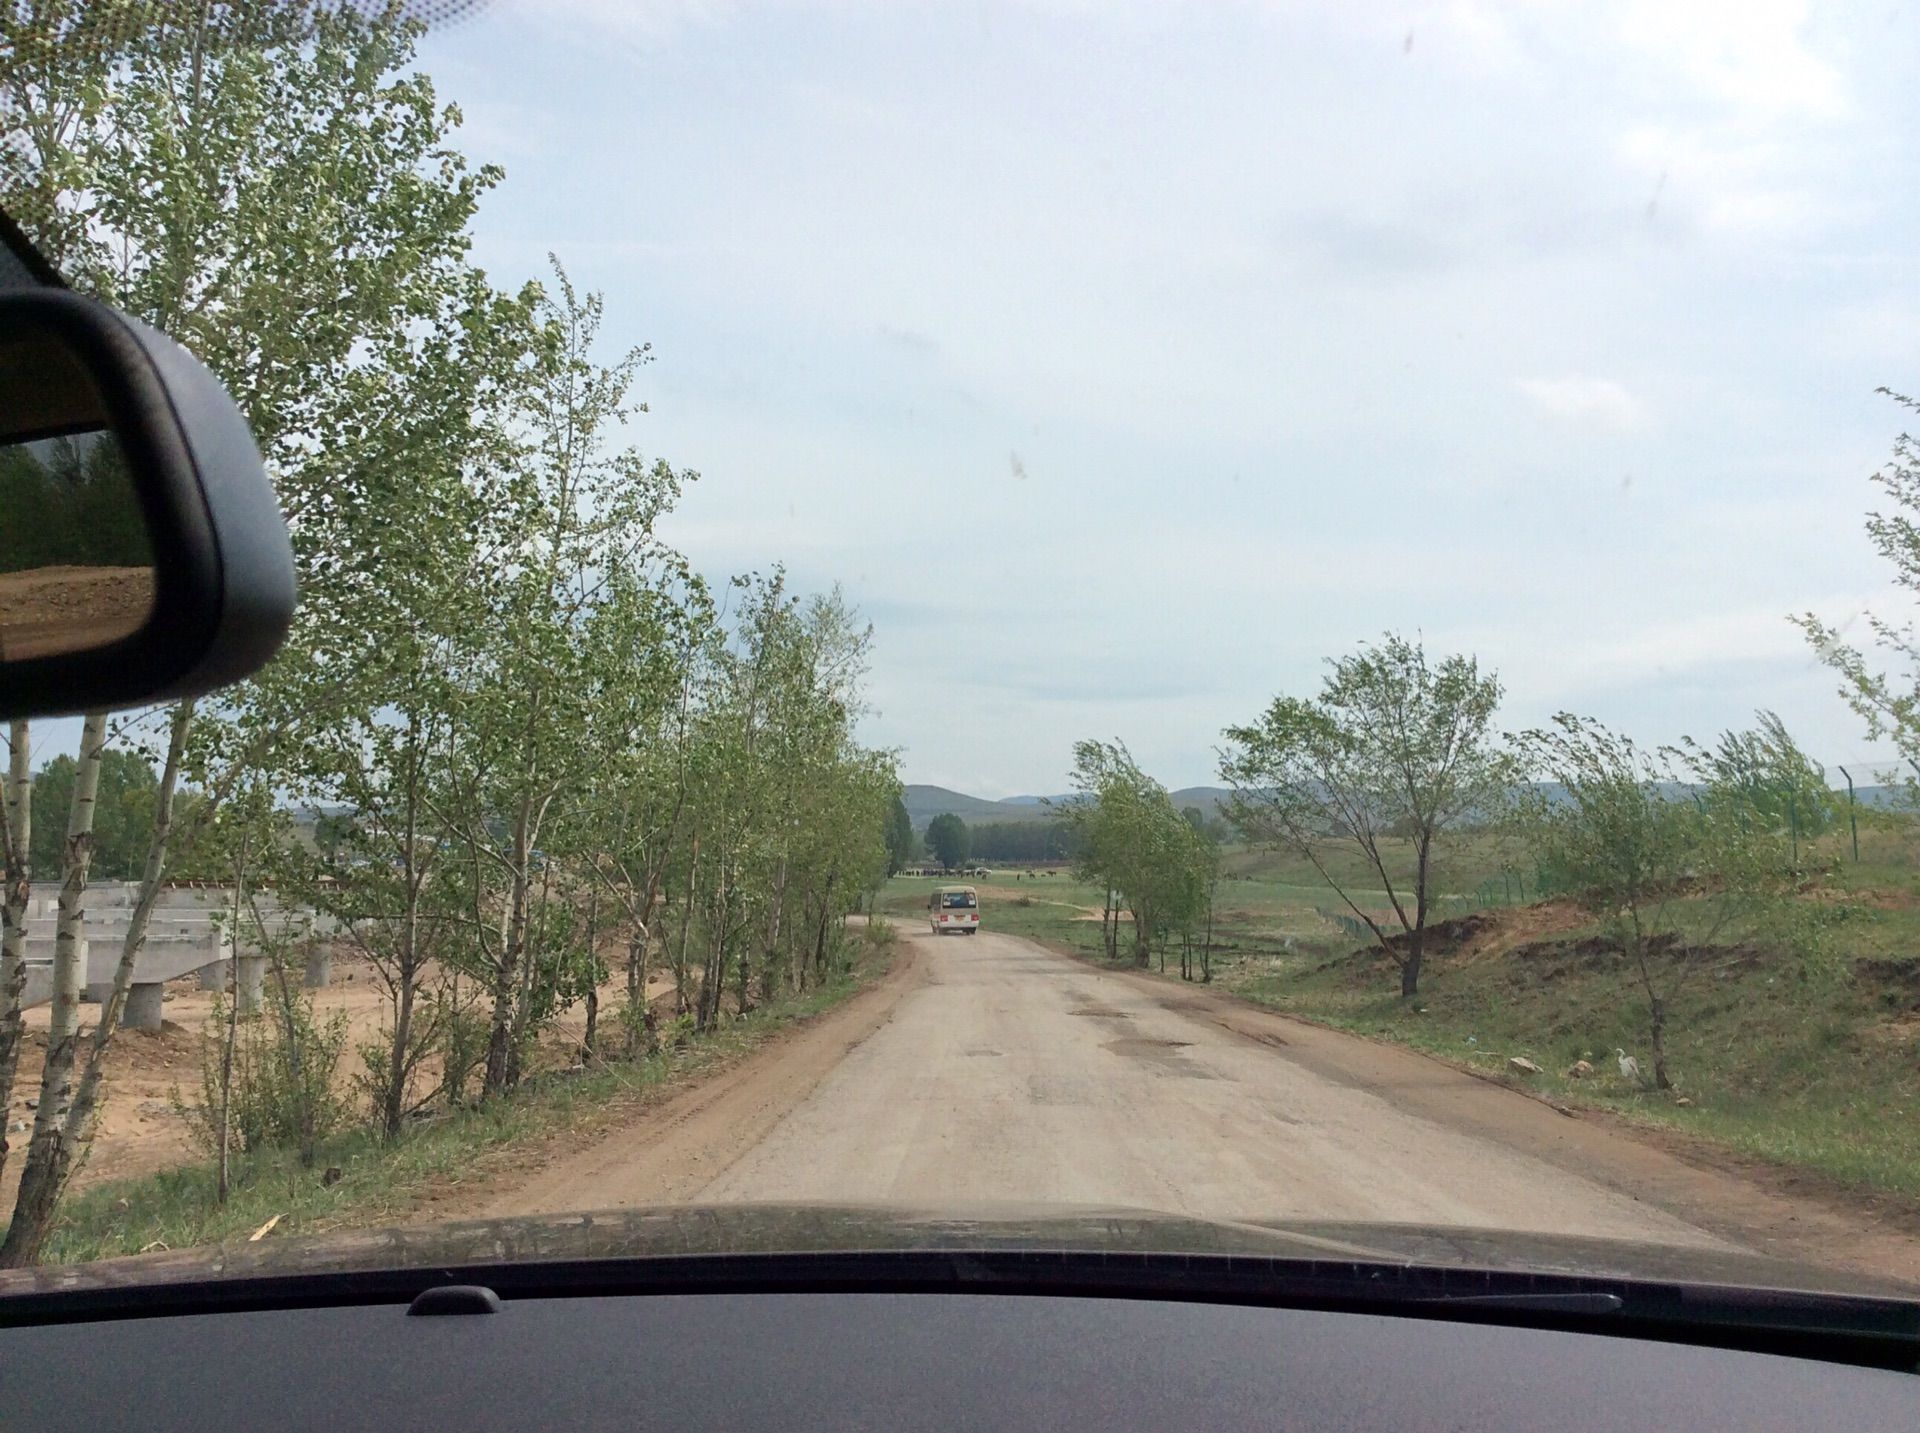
(1379, 538)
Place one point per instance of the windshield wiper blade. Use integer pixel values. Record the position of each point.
(1571, 1301)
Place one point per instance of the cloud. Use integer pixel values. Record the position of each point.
(649, 21)
(1749, 55)
(1585, 402)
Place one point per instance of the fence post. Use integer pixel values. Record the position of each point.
(1853, 819)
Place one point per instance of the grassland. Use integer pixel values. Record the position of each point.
(1812, 1067)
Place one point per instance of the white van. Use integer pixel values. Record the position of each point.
(953, 908)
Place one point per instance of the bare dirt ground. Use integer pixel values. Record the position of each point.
(987, 1070)
(47, 610)
(139, 1132)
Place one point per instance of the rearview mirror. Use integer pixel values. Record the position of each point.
(143, 556)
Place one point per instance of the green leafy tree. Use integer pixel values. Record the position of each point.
(948, 840)
(899, 836)
(1770, 778)
(1668, 874)
(1888, 701)
(1133, 841)
(122, 820)
(1395, 748)
(574, 519)
(268, 185)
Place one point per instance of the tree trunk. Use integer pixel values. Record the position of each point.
(714, 971)
(1206, 949)
(506, 977)
(820, 931)
(394, 1098)
(394, 1110)
(593, 974)
(48, 1149)
(1417, 937)
(777, 912)
(17, 831)
(680, 970)
(1658, 1023)
(221, 1184)
(636, 987)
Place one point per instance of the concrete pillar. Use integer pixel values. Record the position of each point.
(216, 976)
(96, 992)
(319, 966)
(143, 1010)
(250, 983)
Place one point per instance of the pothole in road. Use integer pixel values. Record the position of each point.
(984, 1054)
(1101, 1012)
(1141, 1046)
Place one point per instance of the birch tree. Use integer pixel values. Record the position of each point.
(16, 830)
(264, 185)
(578, 516)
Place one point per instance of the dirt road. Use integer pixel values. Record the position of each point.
(989, 1070)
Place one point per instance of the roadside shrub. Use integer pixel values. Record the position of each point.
(462, 1030)
(282, 1092)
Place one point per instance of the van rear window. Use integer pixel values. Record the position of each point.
(958, 900)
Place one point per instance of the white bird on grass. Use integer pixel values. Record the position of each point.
(1629, 1067)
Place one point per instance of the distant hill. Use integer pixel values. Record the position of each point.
(1212, 800)
(923, 803)
(926, 802)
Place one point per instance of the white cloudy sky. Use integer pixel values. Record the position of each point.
(1123, 360)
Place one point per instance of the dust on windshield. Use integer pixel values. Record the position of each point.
(1379, 541)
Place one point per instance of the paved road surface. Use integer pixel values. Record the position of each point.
(1009, 1073)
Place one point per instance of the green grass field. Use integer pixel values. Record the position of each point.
(1814, 1069)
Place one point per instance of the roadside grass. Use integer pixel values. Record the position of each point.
(384, 1183)
(1807, 1070)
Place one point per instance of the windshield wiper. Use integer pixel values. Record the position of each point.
(1572, 1301)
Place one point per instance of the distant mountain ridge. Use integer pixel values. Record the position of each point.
(924, 802)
